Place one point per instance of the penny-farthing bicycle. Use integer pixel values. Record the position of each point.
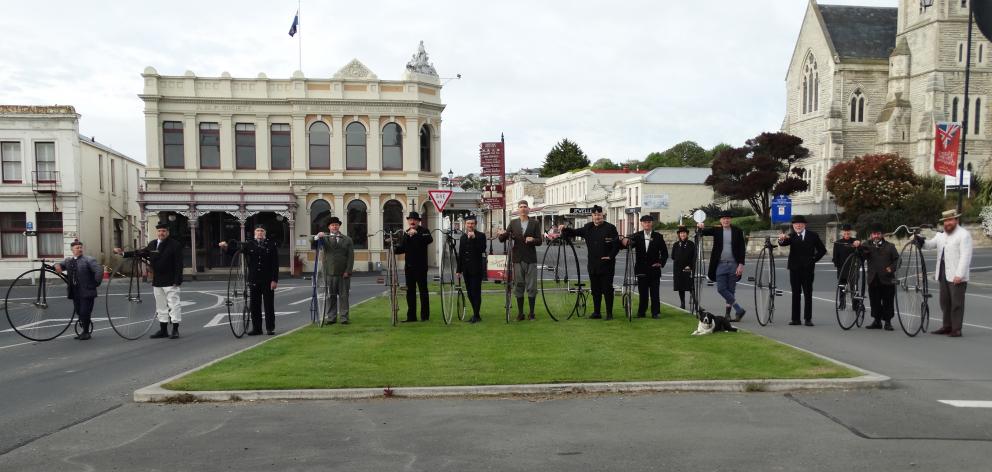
(318, 285)
(849, 301)
(629, 281)
(129, 300)
(447, 280)
(36, 304)
(765, 289)
(508, 278)
(392, 276)
(238, 293)
(912, 288)
(561, 282)
(699, 269)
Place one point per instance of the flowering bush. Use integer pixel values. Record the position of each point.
(872, 182)
(987, 220)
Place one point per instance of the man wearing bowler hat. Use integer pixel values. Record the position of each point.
(650, 256)
(806, 250)
(726, 260)
(881, 260)
(413, 243)
(262, 259)
(338, 260)
(472, 264)
(954, 249)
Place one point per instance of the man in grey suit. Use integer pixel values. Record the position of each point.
(338, 258)
(84, 274)
(526, 235)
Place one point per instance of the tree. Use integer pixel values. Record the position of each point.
(872, 182)
(566, 156)
(605, 164)
(471, 182)
(684, 154)
(765, 166)
(712, 153)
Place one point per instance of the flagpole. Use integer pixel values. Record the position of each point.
(299, 30)
(964, 131)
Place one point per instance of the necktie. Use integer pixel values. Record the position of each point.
(72, 271)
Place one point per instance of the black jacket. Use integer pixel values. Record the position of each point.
(804, 253)
(737, 245)
(879, 257)
(843, 248)
(683, 255)
(656, 253)
(263, 260)
(415, 248)
(601, 241)
(166, 262)
(472, 254)
(88, 276)
(522, 251)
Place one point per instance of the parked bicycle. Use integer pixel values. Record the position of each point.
(765, 288)
(36, 304)
(852, 292)
(562, 290)
(912, 287)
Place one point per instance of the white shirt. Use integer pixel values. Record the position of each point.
(647, 240)
(956, 250)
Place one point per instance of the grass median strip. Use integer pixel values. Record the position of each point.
(371, 353)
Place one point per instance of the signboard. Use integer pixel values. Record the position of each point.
(781, 209)
(30, 233)
(655, 201)
(947, 148)
(494, 203)
(580, 211)
(496, 267)
(29, 225)
(952, 182)
(439, 198)
(632, 211)
(492, 159)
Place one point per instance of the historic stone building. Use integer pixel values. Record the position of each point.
(227, 153)
(869, 79)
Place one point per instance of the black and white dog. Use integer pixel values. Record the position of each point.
(711, 323)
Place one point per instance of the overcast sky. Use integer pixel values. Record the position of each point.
(622, 79)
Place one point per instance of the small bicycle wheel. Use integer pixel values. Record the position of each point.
(237, 296)
(129, 300)
(37, 306)
(460, 307)
(561, 284)
(446, 280)
(911, 290)
(763, 289)
(846, 297)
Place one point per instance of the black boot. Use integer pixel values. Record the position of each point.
(163, 331)
(531, 301)
(475, 319)
(520, 308)
(726, 313)
(175, 331)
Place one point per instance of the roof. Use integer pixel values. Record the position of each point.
(678, 175)
(38, 109)
(618, 171)
(861, 32)
(91, 141)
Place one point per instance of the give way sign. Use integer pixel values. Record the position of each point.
(439, 198)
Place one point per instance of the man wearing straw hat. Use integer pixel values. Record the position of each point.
(954, 250)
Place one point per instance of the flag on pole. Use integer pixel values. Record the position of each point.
(296, 22)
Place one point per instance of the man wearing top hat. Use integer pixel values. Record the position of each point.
(881, 259)
(843, 248)
(337, 262)
(726, 260)
(806, 250)
(165, 258)
(602, 245)
(650, 255)
(262, 259)
(413, 243)
(472, 264)
(954, 251)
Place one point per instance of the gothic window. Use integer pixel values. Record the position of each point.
(857, 112)
(811, 86)
(805, 92)
(954, 109)
(978, 116)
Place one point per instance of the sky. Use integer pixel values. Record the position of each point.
(620, 79)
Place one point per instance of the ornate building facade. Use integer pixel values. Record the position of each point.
(867, 79)
(225, 154)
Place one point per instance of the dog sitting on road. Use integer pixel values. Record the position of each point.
(711, 323)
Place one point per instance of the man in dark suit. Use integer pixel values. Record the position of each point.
(263, 277)
(650, 256)
(471, 262)
(413, 243)
(881, 260)
(526, 235)
(843, 248)
(165, 258)
(84, 275)
(726, 260)
(806, 250)
(683, 262)
(602, 244)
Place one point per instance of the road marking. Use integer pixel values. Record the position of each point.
(967, 403)
(301, 301)
(221, 318)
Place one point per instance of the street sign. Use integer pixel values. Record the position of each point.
(492, 159)
(699, 216)
(781, 209)
(439, 198)
(29, 225)
(494, 203)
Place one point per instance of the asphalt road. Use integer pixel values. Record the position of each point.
(66, 407)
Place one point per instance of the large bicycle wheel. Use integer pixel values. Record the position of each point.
(460, 307)
(698, 277)
(561, 282)
(37, 306)
(911, 290)
(446, 280)
(237, 296)
(763, 288)
(130, 300)
(629, 282)
(508, 279)
(394, 287)
(848, 297)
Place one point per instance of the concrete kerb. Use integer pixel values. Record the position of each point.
(155, 393)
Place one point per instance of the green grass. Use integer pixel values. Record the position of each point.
(371, 353)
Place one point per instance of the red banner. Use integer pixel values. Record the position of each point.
(492, 159)
(947, 148)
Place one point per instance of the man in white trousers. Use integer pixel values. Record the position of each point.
(165, 257)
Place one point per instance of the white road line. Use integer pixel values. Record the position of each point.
(302, 301)
(967, 403)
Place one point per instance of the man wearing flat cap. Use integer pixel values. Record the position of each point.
(726, 260)
(881, 260)
(413, 243)
(262, 258)
(526, 235)
(954, 251)
(471, 263)
(650, 256)
(806, 250)
(602, 244)
(843, 248)
(165, 258)
(337, 262)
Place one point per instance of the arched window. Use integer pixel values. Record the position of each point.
(978, 116)
(320, 146)
(425, 148)
(857, 107)
(358, 224)
(392, 216)
(355, 156)
(954, 109)
(392, 147)
(320, 212)
(861, 109)
(811, 86)
(805, 94)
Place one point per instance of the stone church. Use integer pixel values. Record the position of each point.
(872, 80)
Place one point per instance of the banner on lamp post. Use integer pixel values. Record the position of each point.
(947, 148)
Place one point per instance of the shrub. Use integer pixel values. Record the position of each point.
(871, 182)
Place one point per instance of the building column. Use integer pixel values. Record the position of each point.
(192, 218)
(226, 143)
(263, 159)
(373, 145)
(291, 217)
(375, 222)
(435, 148)
(337, 143)
(153, 147)
(191, 137)
(299, 148)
